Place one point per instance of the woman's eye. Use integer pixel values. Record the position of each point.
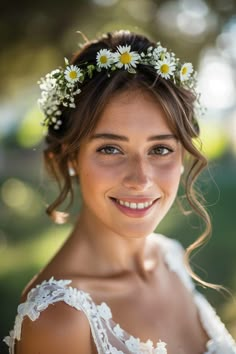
(109, 150)
(161, 150)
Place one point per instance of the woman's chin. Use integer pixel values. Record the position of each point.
(137, 231)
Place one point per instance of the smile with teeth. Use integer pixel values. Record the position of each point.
(133, 205)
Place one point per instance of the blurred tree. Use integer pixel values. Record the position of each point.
(28, 28)
(34, 37)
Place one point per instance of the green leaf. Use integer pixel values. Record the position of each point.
(66, 61)
(90, 69)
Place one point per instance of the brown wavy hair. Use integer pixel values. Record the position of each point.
(177, 103)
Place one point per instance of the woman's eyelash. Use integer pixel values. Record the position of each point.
(162, 150)
(109, 150)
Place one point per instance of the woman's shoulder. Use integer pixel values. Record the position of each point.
(58, 329)
(39, 295)
(40, 280)
(62, 328)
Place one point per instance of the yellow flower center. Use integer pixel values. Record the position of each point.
(165, 68)
(125, 58)
(73, 75)
(103, 59)
(184, 70)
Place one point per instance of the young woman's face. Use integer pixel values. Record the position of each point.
(129, 168)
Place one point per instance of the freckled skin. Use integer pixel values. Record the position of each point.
(110, 254)
(132, 171)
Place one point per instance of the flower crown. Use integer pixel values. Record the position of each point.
(60, 86)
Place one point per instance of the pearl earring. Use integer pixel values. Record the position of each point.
(71, 171)
(182, 169)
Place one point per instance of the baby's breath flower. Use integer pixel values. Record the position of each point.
(156, 53)
(48, 84)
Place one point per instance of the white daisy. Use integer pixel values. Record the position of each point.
(124, 57)
(185, 71)
(165, 68)
(104, 58)
(72, 74)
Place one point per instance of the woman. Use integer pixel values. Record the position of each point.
(121, 123)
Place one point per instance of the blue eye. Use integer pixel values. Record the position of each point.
(109, 150)
(161, 150)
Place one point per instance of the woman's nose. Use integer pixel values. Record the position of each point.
(137, 174)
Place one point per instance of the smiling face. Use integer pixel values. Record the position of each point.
(129, 167)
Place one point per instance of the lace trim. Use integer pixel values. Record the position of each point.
(221, 341)
(52, 291)
(100, 316)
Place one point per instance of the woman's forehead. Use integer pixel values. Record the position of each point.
(131, 109)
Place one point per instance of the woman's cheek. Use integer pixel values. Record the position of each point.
(101, 171)
(169, 175)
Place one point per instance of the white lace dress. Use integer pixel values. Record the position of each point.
(108, 336)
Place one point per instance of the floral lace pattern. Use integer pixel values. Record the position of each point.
(108, 336)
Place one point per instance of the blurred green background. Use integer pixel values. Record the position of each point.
(35, 37)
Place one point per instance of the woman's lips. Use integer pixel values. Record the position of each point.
(134, 207)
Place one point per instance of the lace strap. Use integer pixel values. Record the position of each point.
(221, 340)
(173, 254)
(48, 292)
(52, 291)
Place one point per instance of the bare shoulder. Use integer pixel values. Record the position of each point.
(59, 329)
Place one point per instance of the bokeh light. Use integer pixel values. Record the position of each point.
(21, 198)
(216, 82)
(105, 2)
(214, 139)
(35, 40)
(30, 131)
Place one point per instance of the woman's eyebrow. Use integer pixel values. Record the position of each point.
(111, 136)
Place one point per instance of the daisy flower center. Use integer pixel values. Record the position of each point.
(125, 58)
(184, 70)
(165, 68)
(73, 74)
(103, 59)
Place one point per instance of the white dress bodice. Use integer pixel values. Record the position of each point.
(108, 336)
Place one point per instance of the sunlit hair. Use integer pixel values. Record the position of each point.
(177, 104)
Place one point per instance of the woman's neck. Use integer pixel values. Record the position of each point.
(99, 251)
